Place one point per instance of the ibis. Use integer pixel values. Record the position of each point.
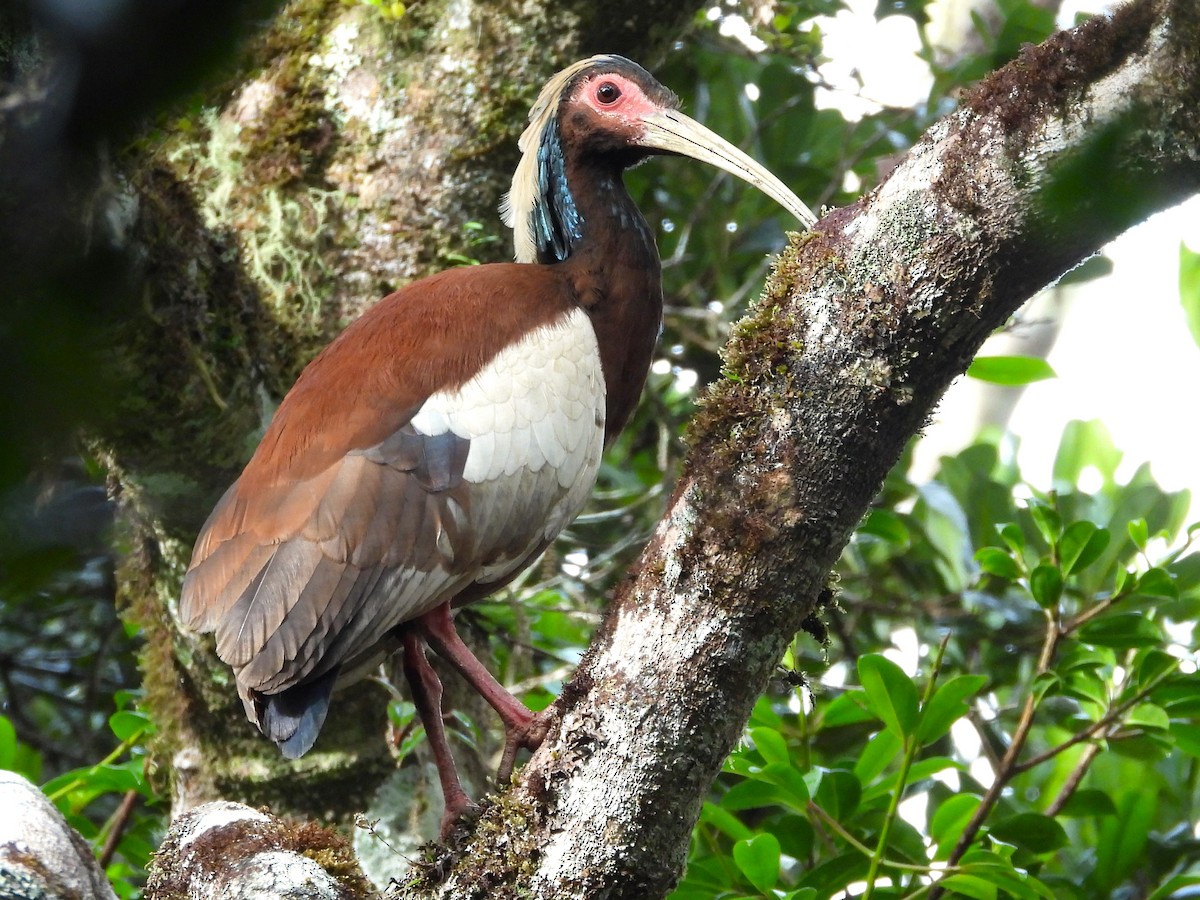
(445, 438)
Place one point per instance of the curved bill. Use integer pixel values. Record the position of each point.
(672, 132)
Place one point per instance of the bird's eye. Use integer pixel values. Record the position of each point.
(608, 93)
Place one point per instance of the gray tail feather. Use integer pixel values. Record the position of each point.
(293, 717)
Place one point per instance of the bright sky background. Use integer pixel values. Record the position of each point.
(1124, 354)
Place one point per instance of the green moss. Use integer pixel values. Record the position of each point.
(255, 165)
(498, 857)
(332, 852)
(141, 602)
(294, 138)
(279, 220)
(765, 346)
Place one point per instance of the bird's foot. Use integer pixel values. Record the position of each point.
(525, 735)
(458, 807)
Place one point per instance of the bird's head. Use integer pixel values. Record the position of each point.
(608, 109)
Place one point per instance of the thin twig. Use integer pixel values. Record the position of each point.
(1100, 724)
(1005, 773)
(836, 826)
(911, 746)
(116, 828)
(1072, 782)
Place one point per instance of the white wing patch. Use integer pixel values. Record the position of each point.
(535, 419)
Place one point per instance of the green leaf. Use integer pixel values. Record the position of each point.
(970, 886)
(1173, 887)
(1081, 545)
(1094, 549)
(1073, 655)
(1046, 684)
(706, 877)
(1088, 685)
(1031, 831)
(79, 787)
(1139, 532)
(947, 705)
(1085, 445)
(758, 858)
(8, 744)
(880, 750)
(1010, 370)
(1123, 631)
(751, 794)
(764, 714)
(1148, 715)
(1013, 883)
(1074, 539)
(1189, 289)
(1121, 582)
(886, 525)
(1187, 738)
(127, 724)
(796, 835)
(839, 793)
(1048, 522)
(724, 821)
(891, 695)
(918, 771)
(1046, 584)
(948, 532)
(1151, 665)
(770, 745)
(1013, 536)
(834, 874)
(996, 562)
(1157, 582)
(846, 710)
(1122, 837)
(789, 780)
(949, 821)
(1180, 696)
(1088, 802)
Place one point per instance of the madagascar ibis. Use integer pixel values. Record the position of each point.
(435, 448)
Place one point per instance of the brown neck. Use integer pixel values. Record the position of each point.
(617, 277)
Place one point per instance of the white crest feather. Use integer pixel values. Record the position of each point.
(516, 209)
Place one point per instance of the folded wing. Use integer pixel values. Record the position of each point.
(304, 574)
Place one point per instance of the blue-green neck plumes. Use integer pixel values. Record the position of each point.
(557, 223)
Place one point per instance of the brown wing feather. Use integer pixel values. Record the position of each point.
(356, 395)
(341, 500)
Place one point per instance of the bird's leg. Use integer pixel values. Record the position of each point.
(427, 697)
(522, 727)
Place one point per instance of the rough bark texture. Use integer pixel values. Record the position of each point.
(342, 158)
(225, 850)
(41, 855)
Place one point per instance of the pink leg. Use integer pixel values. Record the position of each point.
(522, 727)
(427, 697)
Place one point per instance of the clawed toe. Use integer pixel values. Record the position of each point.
(528, 736)
(457, 808)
